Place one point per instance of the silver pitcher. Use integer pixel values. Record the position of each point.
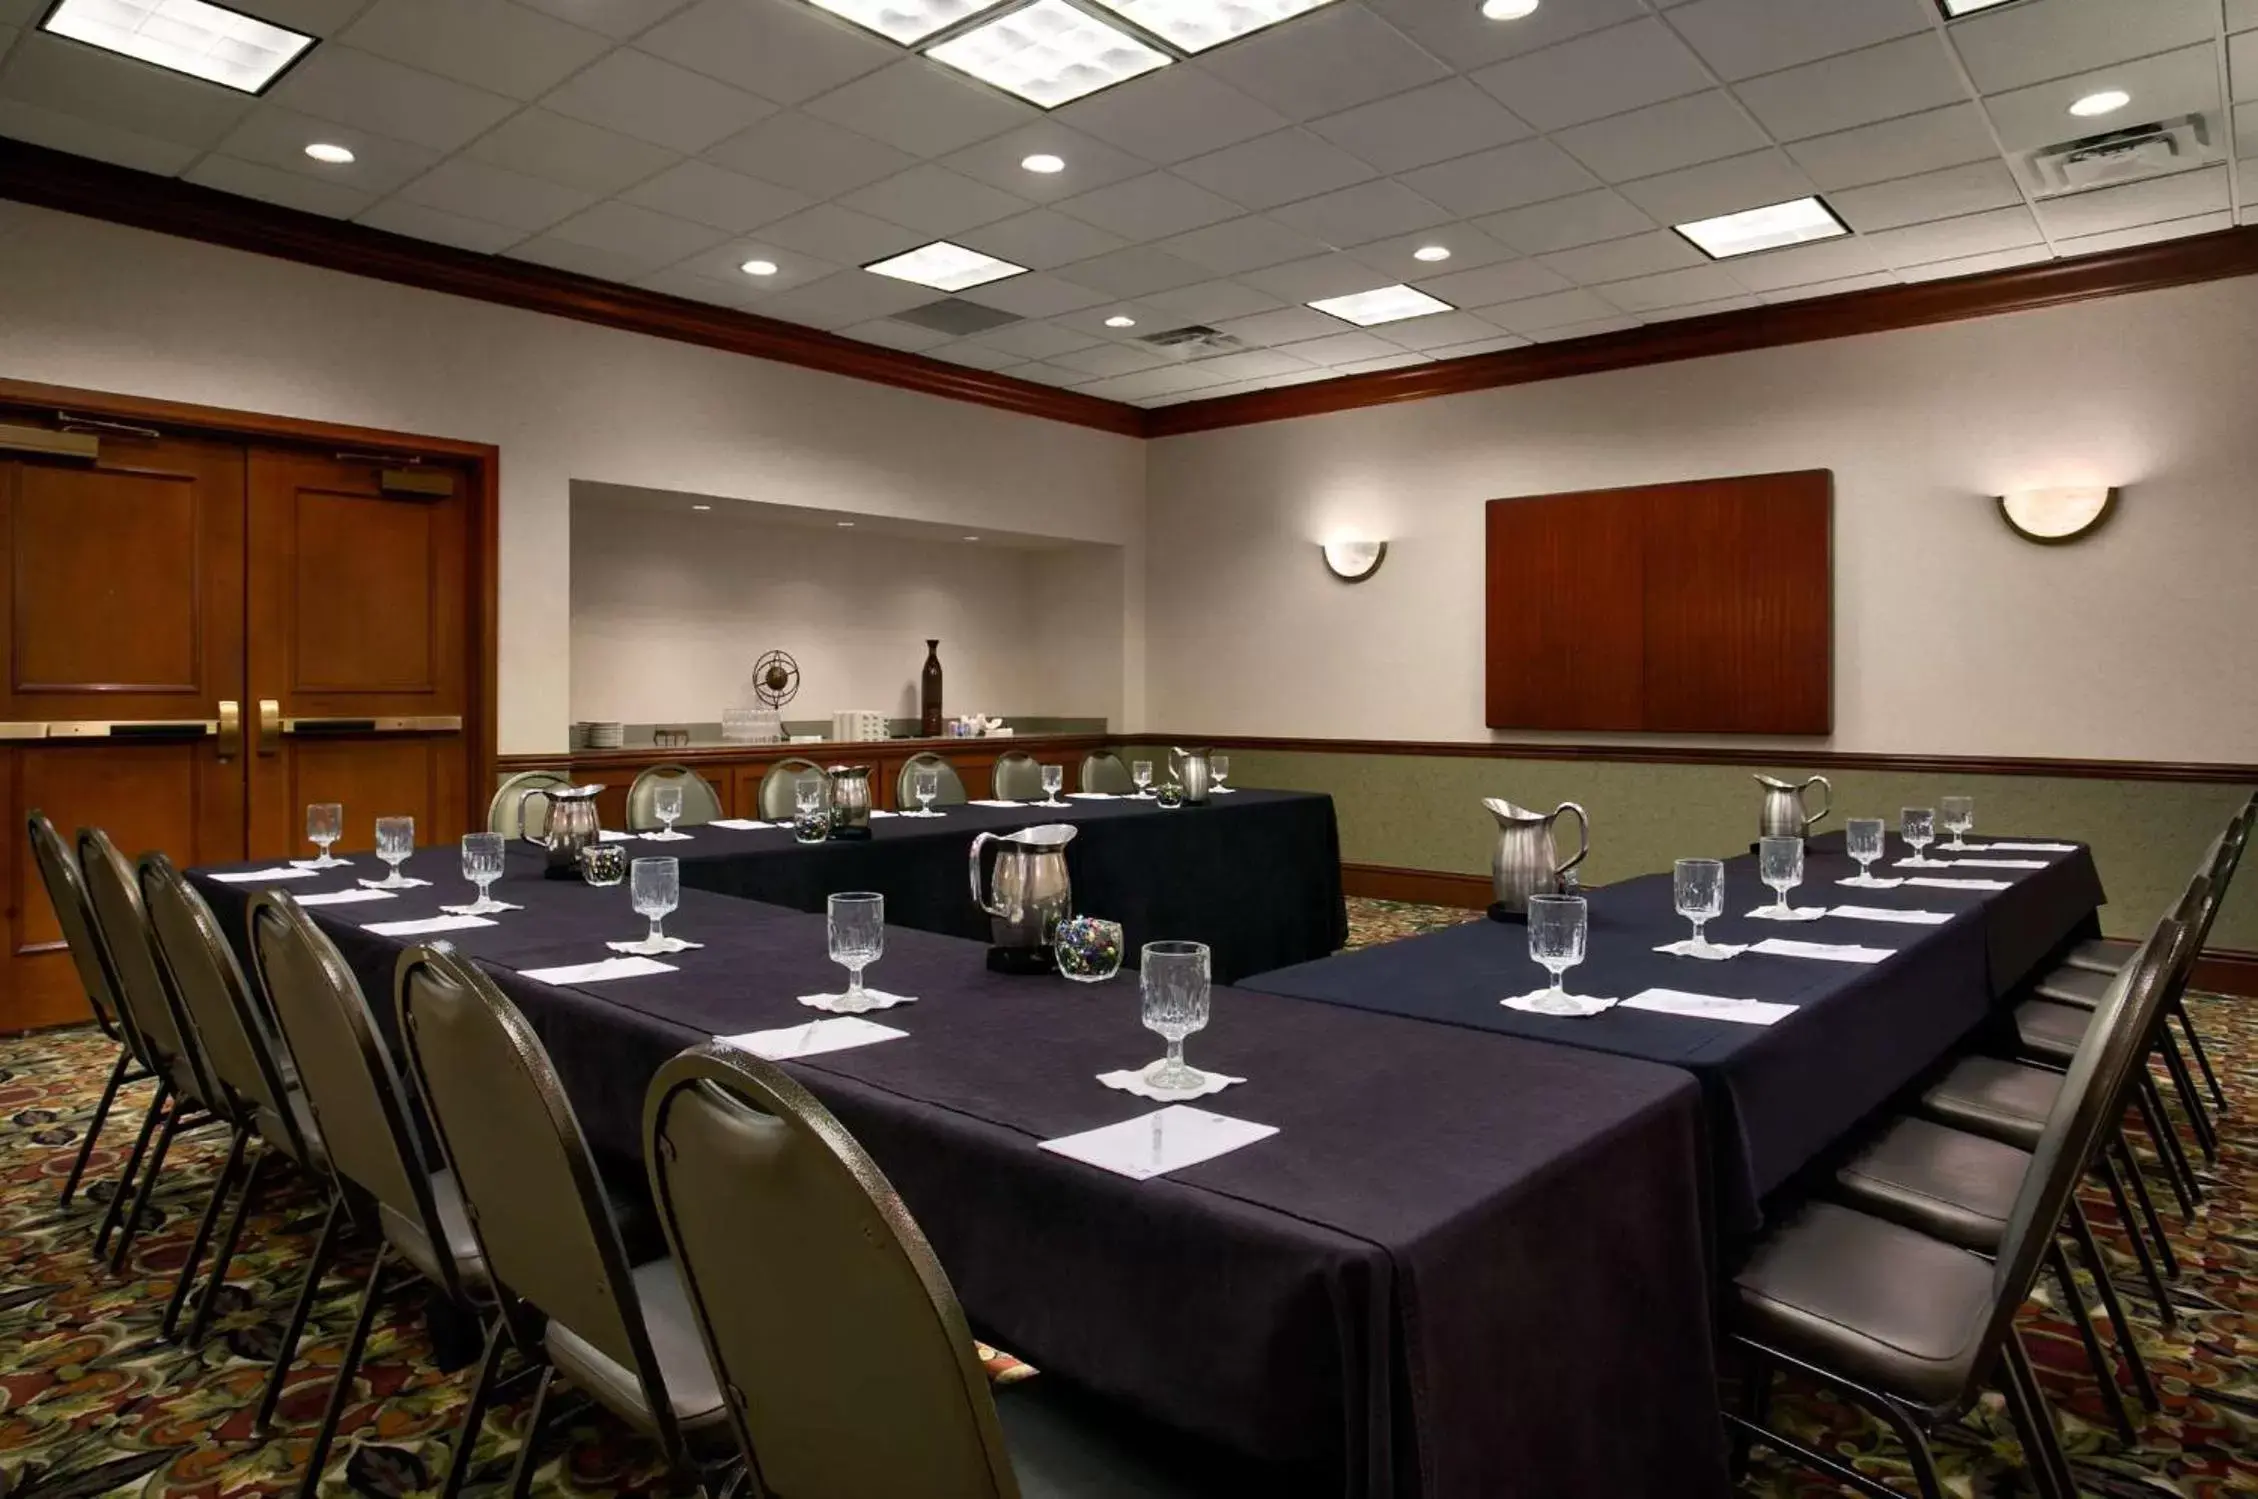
(850, 800)
(1782, 815)
(1029, 891)
(1192, 772)
(1527, 861)
(572, 825)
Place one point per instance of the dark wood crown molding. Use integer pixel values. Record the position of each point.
(98, 190)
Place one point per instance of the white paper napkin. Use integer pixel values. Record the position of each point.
(666, 945)
(1832, 952)
(1709, 1007)
(739, 824)
(1134, 1082)
(873, 999)
(1091, 796)
(666, 835)
(613, 835)
(1714, 952)
(1158, 1143)
(989, 801)
(1999, 863)
(1585, 1005)
(1793, 913)
(275, 872)
(1938, 882)
(601, 971)
(1870, 882)
(334, 863)
(882, 812)
(406, 883)
(1882, 913)
(490, 908)
(1922, 864)
(423, 925)
(812, 1039)
(342, 897)
(2026, 848)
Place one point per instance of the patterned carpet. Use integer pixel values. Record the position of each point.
(94, 1402)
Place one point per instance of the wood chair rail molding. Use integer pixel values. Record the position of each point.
(98, 190)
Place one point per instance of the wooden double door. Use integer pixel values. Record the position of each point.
(204, 634)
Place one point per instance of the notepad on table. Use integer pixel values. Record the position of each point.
(813, 1039)
(342, 897)
(600, 972)
(989, 801)
(1829, 952)
(1165, 1140)
(739, 824)
(424, 925)
(1709, 1006)
(1999, 863)
(275, 872)
(1883, 913)
(1938, 882)
(2025, 848)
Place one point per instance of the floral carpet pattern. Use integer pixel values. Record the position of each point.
(94, 1402)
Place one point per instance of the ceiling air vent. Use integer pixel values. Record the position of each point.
(957, 317)
(1193, 341)
(2125, 155)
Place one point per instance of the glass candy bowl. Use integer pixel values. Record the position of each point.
(1088, 949)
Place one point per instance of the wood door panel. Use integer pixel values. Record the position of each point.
(92, 549)
(407, 776)
(366, 595)
(1561, 653)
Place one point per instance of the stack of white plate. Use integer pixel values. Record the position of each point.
(606, 735)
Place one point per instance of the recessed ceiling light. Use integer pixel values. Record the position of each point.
(1508, 10)
(1044, 162)
(336, 156)
(1796, 222)
(1196, 25)
(906, 21)
(701, 507)
(194, 37)
(1431, 252)
(846, 525)
(945, 267)
(1049, 53)
(1955, 9)
(972, 538)
(758, 268)
(1382, 304)
(2107, 101)
(1120, 322)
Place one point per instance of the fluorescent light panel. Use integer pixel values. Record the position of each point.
(202, 40)
(1796, 222)
(906, 21)
(945, 267)
(1196, 25)
(1382, 304)
(1048, 53)
(1955, 9)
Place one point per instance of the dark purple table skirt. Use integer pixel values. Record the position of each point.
(1468, 1266)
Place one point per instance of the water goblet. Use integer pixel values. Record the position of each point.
(1218, 767)
(1958, 813)
(927, 784)
(1697, 887)
(1863, 838)
(395, 840)
(1918, 827)
(1559, 931)
(655, 888)
(1780, 862)
(1054, 776)
(1141, 771)
(482, 866)
(666, 801)
(856, 925)
(1174, 976)
(325, 824)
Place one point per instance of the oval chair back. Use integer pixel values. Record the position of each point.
(845, 1323)
(1018, 777)
(143, 986)
(779, 787)
(701, 804)
(503, 814)
(74, 912)
(951, 792)
(1102, 770)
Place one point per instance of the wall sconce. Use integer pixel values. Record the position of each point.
(2051, 517)
(1354, 561)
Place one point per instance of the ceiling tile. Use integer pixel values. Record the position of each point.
(1490, 345)
(706, 194)
(1857, 88)
(1873, 282)
(841, 235)
(1035, 340)
(1500, 178)
(2172, 83)
(1931, 195)
(399, 216)
(1923, 142)
(1150, 206)
(1137, 271)
(1155, 382)
(889, 334)
(1041, 240)
(1422, 126)
(65, 132)
(722, 262)
(780, 50)
(1284, 325)
(1647, 295)
(1604, 73)
(1700, 309)
(1171, 114)
(314, 17)
(1564, 223)
(120, 93)
(811, 155)
(1663, 137)
(1561, 309)
(490, 44)
(1324, 62)
(1741, 38)
(541, 144)
(2242, 14)
(1145, 318)
(1975, 265)
(1212, 301)
(1469, 247)
(921, 108)
(1620, 259)
(2179, 196)
(653, 238)
(1720, 187)
(1361, 214)
(277, 137)
(1110, 359)
(1568, 332)
(1374, 366)
(1035, 295)
(1090, 162)
(677, 281)
(1465, 38)
(479, 191)
(253, 179)
(935, 200)
(1275, 169)
(1437, 331)
(1345, 347)
(846, 297)
(977, 356)
(643, 96)
(2242, 64)
(1829, 260)
(584, 260)
(2018, 44)
(1242, 244)
(1508, 281)
(2246, 130)
(1952, 239)
(1318, 277)
(617, 19)
(359, 88)
(1251, 364)
(1048, 374)
(2146, 234)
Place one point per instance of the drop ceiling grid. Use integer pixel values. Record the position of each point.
(664, 142)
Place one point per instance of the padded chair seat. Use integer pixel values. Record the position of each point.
(2049, 1030)
(1947, 1183)
(407, 1235)
(2075, 986)
(691, 1387)
(1064, 1447)
(2102, 954)
(2003, 1100)
(1888, 1307)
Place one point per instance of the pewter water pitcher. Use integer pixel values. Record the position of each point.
(1527, 861)
(1029, 891)
(1782, 815)
(572, 825)
(850, 801)
(1192, 772)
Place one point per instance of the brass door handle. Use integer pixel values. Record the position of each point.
(231, 728)
(270, 726)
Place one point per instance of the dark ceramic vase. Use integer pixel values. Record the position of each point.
(929, 692)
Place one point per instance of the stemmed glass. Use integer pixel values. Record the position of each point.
(395, 840)
(1863, 837)
(1780, 862)
(325, 824)
(1219, 766)
(856, 925)
(655, 887)
(482, 866)
(1559, 931)
(1918, 826)
(1141, 771)
(1959, 815)
(1698, 888)
(927, 784)
(1176, 995)
(1054, 776)
(666, 801)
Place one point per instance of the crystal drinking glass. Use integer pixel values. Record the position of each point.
(482, 866)
(1780, 862)
(927, 784)
(1918, 826)
(395, 840)
(1863, 838)
(1176, 994)
(666, 801)
(1959, 815)
(1054, 776)
(1141, 771)
(655, 887)
(1698, 888)
(325, 824)
(856, 925)
(1559, 931)
(1218, 767)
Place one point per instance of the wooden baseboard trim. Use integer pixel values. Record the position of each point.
(1423, 887)
(2227, 970)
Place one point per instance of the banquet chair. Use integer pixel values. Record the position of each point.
(1910, 1326)
(251, 1085)
(506, 810)
(378, 1173)
(1102, 770)
(1017, 777)
(66, 892)
(780, 787)
(184, 1088)
(701, 804)
(849, 1363)
(565, 1293)
(951, 793)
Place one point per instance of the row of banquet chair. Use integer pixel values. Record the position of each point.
(829, 1358)
(1017, 776)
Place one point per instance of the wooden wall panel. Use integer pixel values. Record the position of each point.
(1563, 650)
